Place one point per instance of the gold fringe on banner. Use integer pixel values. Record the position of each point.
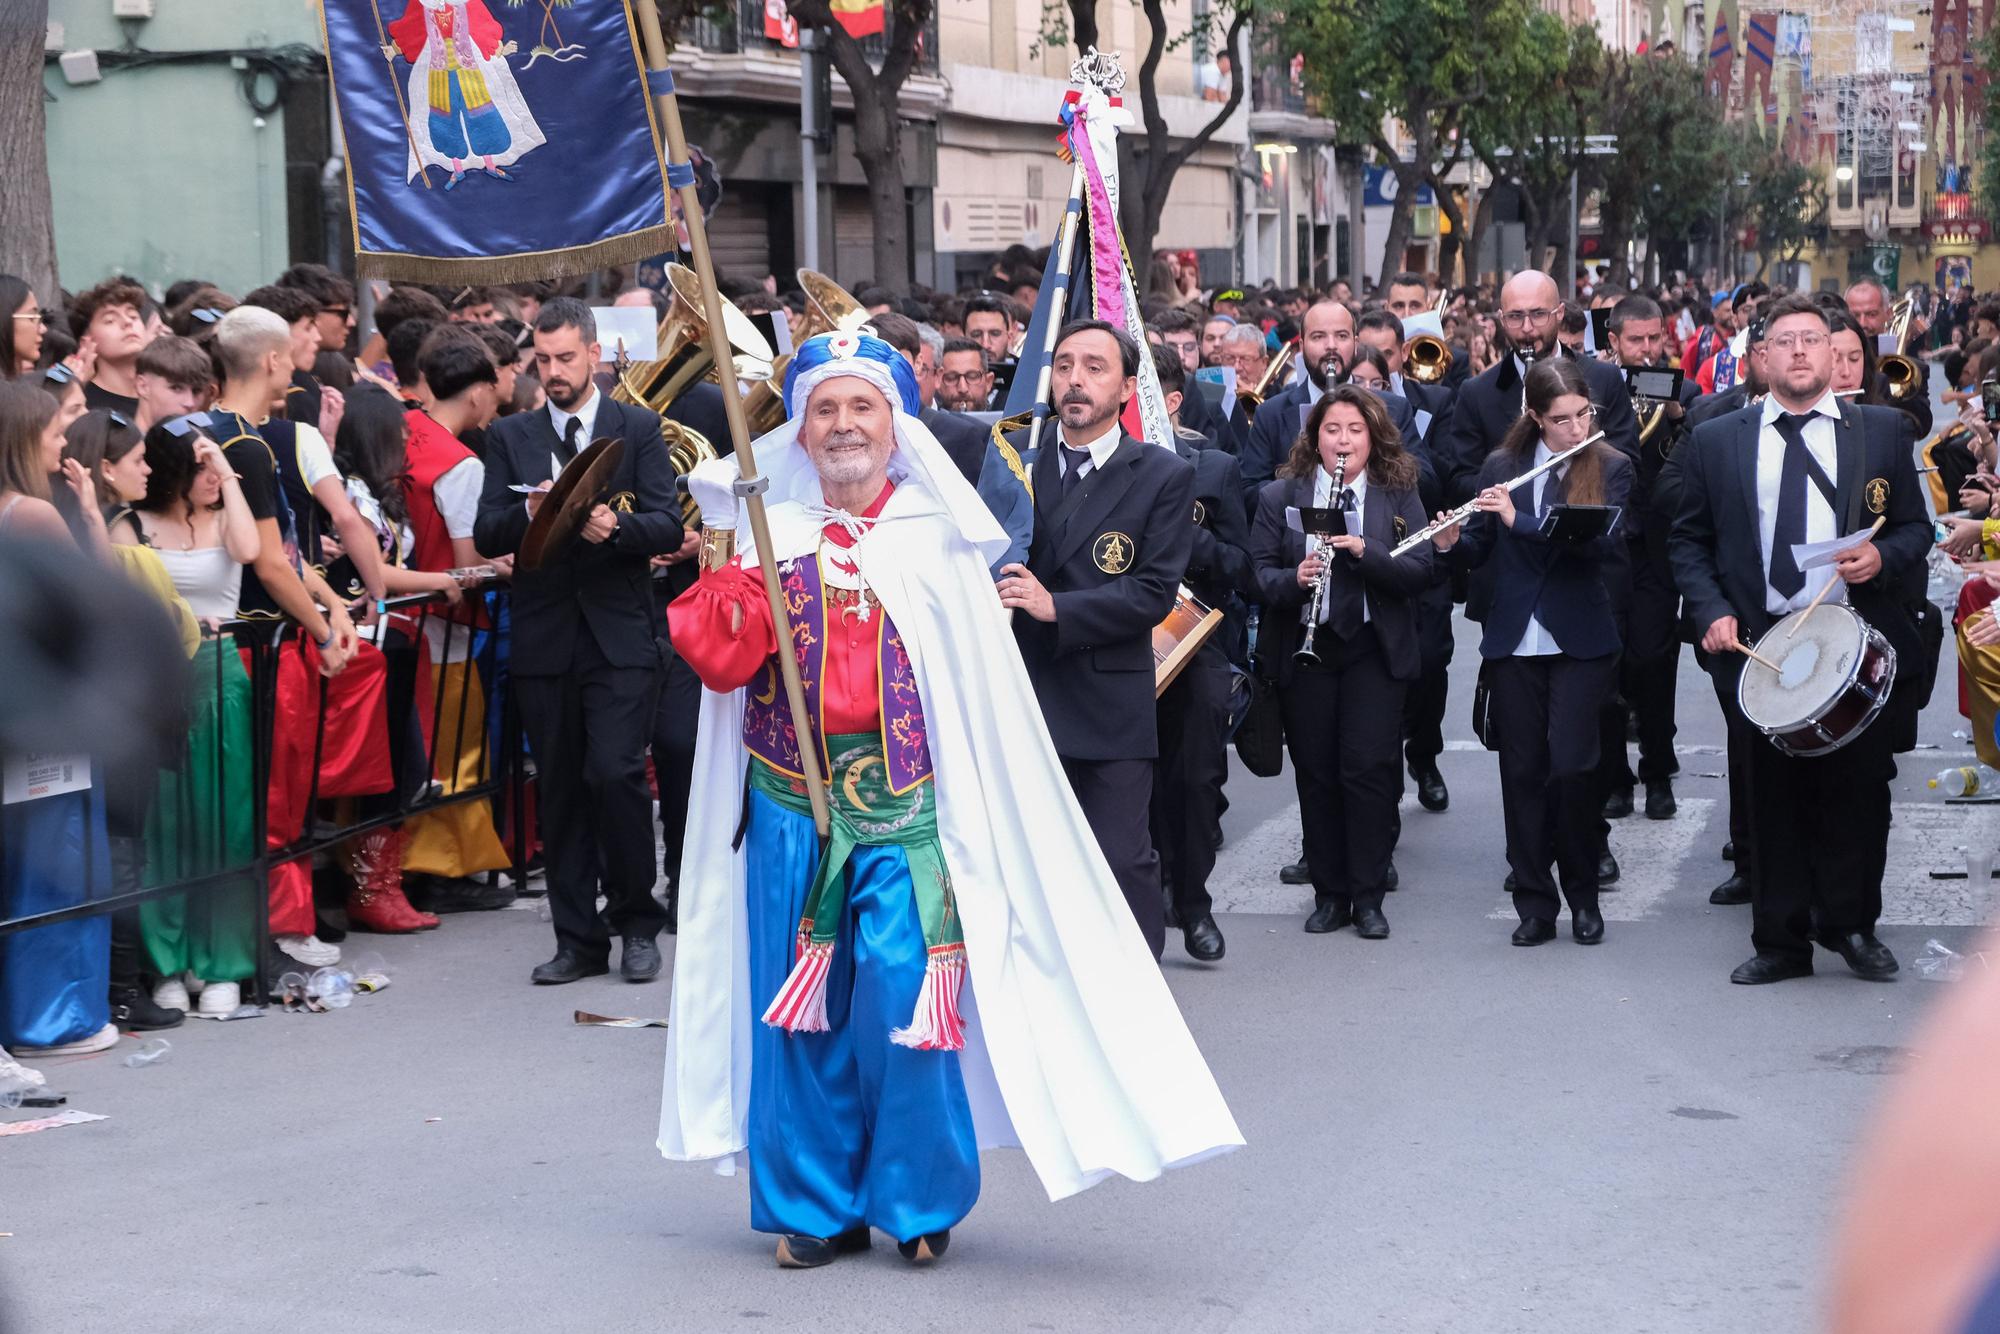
(531, 266)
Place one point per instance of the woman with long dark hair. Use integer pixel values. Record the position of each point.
(1343, 704)
(1551, 645)
(21, 335)
(112, 453)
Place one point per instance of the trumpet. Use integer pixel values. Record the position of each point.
(1902, 376)
(1316, 604)
(1426, 357)
(1464, 512)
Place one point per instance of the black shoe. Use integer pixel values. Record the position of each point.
(1729, 851)
(1762, 968)
(1586, 925)
(1296, 874)
(1432, 794)
(1867, 957)
(1607, 870)
(802, 1252)
(1534, 931)
(1510, 884)
(640, 961)
(568, 966)
(1660, 800)
(1392, 882)
(922, 1250)
(1731, 893)
(439, 894)
(1370, 924)
(1619, 804)
(1330, 916)
(1203, 939)
(134, 1012)
(1220, 838)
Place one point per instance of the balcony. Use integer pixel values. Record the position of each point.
(745, 36)
(1280, 108)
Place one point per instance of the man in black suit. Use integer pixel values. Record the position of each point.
(586, 653)
(1112, 541)
(1193, 713)
(1804, 467)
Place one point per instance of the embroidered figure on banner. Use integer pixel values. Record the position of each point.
(464, 103)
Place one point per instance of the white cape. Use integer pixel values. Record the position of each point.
(1075, 1050)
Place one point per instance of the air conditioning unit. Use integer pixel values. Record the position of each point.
(131, 9)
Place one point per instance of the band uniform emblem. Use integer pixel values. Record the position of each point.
(1112, 552)
(622, 502)
(1877, 495)
(1402, 526)
(1200, 514)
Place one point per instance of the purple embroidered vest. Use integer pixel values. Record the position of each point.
(767, 723)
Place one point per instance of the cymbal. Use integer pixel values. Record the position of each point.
(584, 482)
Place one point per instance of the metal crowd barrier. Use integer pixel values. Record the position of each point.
(502, 773)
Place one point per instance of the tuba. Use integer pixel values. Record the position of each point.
(684, 358)
(1902, 377)
(828, 307)
(1426, 357)
(1275, 375)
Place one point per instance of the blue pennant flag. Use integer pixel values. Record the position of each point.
(495, 140)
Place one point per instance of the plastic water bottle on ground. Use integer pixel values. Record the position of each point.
(332, 987)
(151, 1052)
(1939, 962)
(1966, 780)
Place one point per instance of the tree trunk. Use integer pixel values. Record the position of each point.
(1475, 235)
(877, 119)
(1449, 242)
(27, 219)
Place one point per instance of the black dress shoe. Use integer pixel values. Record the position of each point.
(802, 1252)
(568, 966)
(1330, 916)
(1660, 803)
(1534, 931)
(1586, 925)
(1731, 893)
(1370, 924)
(1729, 851)
(1298, 873)
(640, 961)
(1607, 870)
(922, 1250)
(1510, 884)
(1203, 939)
(1619, 804)
(1866, 956)
(1392, 882)
(1762, 968)
(1432, 794)
(440, 894)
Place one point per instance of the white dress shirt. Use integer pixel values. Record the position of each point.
(586, 412)
(1101, 449)
(1821, 525)
(1536, 641)
(1323, 498)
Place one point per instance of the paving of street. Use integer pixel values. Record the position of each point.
(1445, 1132)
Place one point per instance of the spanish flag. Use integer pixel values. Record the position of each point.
(861, 18)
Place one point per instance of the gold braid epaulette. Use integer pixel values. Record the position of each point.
(1008, 454)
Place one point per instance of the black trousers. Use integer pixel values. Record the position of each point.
(1116, 796)
(1343, 722)
(1820, 837)
(1653, 654)
(1193, 721)
(674, 725)
(1546, 710)
(1741, 737)
(1425, 699)
(588, 729)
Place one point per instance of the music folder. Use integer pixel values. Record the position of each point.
(1580, 523)
(1322, 522)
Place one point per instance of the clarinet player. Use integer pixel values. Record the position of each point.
(1550, 647)
(1339, 640)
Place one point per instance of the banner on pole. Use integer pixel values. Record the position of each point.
(495, 140)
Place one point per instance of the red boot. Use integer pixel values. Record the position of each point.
(377, 903)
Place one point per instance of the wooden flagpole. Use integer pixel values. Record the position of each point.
(752, 484)
(402, 107)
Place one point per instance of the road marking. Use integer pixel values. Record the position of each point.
(1930, 835)
(1652, 863)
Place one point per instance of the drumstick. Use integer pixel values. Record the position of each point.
(1805, 615)
(1755, 656)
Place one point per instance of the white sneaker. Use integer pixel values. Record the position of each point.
(219, 999)
(13, 1072)
(309, 950)
(103, 1039)
(172, 994)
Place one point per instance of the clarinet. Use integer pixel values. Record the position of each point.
(1305, 657)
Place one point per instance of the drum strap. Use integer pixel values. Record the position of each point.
(1823, 482)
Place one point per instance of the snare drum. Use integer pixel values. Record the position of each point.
(1833, 677)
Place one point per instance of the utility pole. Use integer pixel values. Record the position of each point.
(809, 142)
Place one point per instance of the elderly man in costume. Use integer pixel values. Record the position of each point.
(824, 1026)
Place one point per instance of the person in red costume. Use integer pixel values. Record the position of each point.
(471, 106)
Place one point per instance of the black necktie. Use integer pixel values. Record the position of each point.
(1346, 501)
(1786, 577)
(1073, 461)
(1343, 602)
(572, 435)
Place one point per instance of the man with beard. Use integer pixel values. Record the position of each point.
(965, 379)
(1112, 542)
(1802, 466)
(586, 658)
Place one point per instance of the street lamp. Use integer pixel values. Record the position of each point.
(1843, 173)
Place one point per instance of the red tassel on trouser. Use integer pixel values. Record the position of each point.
(377, 903)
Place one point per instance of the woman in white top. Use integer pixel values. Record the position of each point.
(194, 515)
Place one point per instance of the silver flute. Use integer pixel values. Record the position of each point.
(1305, 656)
(1464, 512)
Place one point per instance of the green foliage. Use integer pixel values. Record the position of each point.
(1785, 200)
(1988, 180)
(1673, 156)
(1555, 81)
